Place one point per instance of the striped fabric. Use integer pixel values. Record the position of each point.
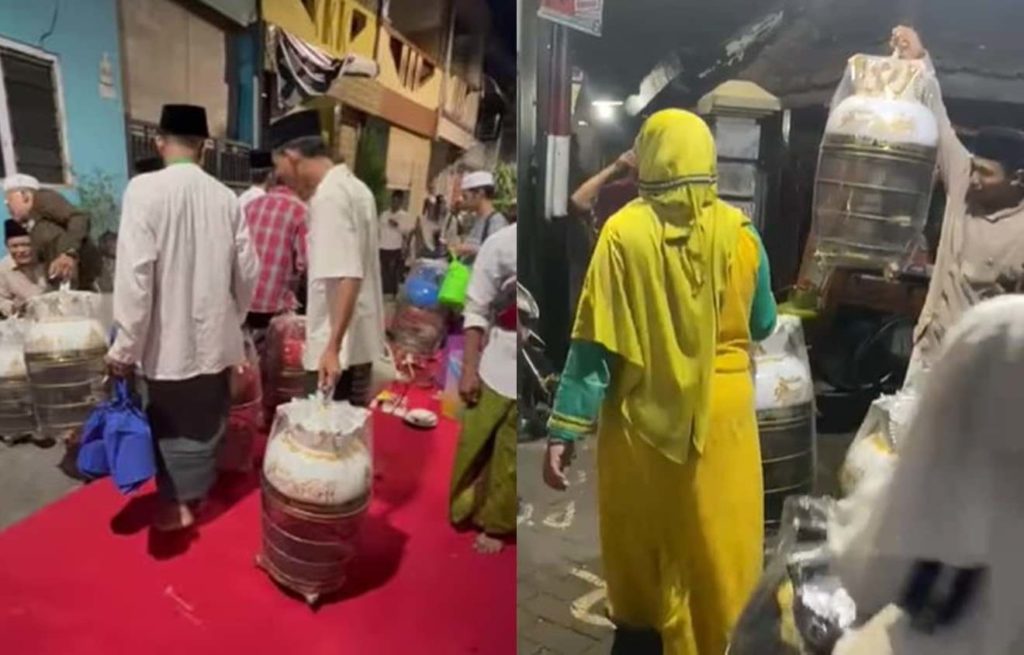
(304, 71)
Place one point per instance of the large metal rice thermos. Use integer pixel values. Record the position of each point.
(65, 350)
(284, 375)
(785, 417)
(316, 489)
(17, 418)
(876, 167)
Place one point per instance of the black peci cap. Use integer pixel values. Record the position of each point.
(260, 159)
(1002, 144)
(148, 165)
(184, 120)
(300, 125)
(14, 229)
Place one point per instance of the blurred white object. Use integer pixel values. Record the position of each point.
(783, 377)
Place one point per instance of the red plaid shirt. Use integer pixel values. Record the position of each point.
(277, 225)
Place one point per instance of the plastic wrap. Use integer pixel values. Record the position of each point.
(12, 349)
(317, 484)
(65, 346)
(283, 372)
(418, 325)
(320, 453)
(875, 172)
(785, 416)
(63, 321)
(450, 375)
(799, 606)
(245, 420)
(873, 453)
(17, 416)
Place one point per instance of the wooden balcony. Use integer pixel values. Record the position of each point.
(461, 101)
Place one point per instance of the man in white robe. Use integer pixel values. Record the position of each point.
(936, 567)
(184, 278)
(345, 304)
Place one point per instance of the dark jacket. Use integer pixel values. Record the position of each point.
(60, 227)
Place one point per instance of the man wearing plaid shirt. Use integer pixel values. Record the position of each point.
(277, 224)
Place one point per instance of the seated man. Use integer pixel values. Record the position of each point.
(59, 231)
(25, 277)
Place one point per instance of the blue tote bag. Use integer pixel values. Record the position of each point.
(117, 441)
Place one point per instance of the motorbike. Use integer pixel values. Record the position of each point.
(538, 378)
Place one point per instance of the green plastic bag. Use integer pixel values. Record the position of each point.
(455, 285)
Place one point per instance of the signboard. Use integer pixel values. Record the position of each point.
(582, 15)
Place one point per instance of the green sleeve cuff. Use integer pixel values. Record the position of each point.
(763, 310)
(581, 391)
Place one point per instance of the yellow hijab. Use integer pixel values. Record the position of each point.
(653, 291)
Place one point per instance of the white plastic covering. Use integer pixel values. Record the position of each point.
(320, 452)
(12, 349)
(880, 98)
(63, 321)
(783, 371)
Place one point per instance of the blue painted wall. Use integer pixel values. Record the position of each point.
(79, 33)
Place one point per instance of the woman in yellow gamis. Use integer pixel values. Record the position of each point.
(660, 368)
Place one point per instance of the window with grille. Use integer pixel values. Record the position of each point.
(31, 116)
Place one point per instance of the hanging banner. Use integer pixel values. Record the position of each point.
(305, 71)
(582, 15)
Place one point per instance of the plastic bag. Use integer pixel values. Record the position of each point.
(875, 170)
(320, 452)
(455, 285)
(117, 441)
(245, 420)
(875, 448)
(12, 349)
(799, 606)
(282, 364)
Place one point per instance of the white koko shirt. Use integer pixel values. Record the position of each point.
(343, 242)
(495, 268)
(184, 277)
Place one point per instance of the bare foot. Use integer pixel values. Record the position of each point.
(487, 545)
(171, 517)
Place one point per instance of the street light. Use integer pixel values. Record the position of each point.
(605, 110)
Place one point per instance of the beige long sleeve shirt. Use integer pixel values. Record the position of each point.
(979, 255)
(18, 284)
(185, 274)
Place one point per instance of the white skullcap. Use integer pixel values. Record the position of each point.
(19, 182)
(477, 179)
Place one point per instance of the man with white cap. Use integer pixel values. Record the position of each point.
(478, 198)
(59, 231)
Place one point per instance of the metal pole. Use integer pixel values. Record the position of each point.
(556, 187)
(527, 167)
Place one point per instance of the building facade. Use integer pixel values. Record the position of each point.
(61, 94)
(424, 101)
(203, 53)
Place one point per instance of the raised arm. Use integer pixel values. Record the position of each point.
(585, 196)
(953, 158)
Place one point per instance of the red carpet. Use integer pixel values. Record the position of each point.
(83, 576)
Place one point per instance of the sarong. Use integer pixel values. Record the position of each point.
(188, 419)
(483, 487)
